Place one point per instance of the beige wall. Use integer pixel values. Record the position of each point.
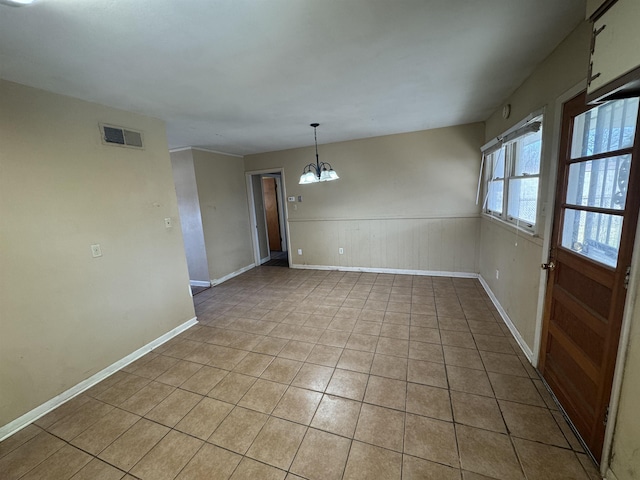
(225, 213)
(66, 315)
(403, 201)
(184, 177)
(626, 441)
(517, 255)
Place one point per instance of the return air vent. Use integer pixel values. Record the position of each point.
(112, 135)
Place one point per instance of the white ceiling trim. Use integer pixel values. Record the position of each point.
(182, 149)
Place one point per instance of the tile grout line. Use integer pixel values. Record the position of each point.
(239, 328)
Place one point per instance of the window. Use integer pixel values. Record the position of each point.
(512, 174)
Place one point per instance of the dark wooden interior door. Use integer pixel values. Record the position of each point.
(597, 200)
(271, 211)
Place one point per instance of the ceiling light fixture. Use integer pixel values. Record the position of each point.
(320, 171)
(16, 3)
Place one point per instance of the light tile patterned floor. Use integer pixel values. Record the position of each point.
(316, 375)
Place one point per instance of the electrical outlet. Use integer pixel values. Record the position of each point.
(341, 251)
(96, 251)
(497, 274)
(299, 251)
(291, 199)
(168, 223)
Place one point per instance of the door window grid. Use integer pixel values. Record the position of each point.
(597, 187)
(600, 183)
(606, 128)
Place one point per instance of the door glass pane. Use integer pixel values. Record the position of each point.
(593, 235)
(523, 199)
(610, 126)
(496, 192)
(599, 183)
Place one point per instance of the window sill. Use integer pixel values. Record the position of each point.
(513, 227)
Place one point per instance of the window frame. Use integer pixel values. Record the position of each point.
(491, 178)
(505, 148)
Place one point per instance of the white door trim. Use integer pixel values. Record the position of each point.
(253, 222)
(252, 210)
(550, 210)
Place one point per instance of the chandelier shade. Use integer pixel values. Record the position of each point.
(319, 171)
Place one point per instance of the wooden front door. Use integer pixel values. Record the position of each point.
(271, 212)
(596, 211)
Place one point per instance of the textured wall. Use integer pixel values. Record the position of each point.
(403, 201)
(515, 254)
(184, 177)
(64, 315)
(225, 212)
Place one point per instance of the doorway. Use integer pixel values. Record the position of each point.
(595, 218)
(271, 212)
(268, 216)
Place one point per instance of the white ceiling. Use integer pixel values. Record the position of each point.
(248, 76)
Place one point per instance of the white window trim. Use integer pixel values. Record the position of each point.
(488, 147)
(508, 137)
(532, 232)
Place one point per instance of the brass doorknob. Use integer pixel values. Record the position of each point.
(549, 266)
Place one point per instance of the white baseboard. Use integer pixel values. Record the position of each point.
(505, 317)
(265, 259)
(396, 271)
(33, 415)
(199, 283)
(218, 281)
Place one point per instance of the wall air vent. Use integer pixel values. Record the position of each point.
(112, 135)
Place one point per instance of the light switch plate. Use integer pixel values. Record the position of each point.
(96, 251)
